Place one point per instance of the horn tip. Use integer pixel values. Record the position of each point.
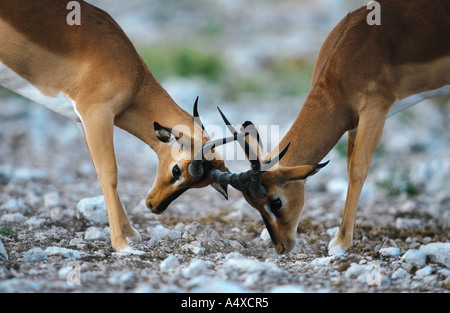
(321, 165)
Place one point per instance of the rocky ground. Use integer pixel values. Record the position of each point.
(54, 236)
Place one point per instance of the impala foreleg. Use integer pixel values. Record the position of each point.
(361, 147)
(98, 134)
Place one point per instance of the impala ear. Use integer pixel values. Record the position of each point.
(165, 134)
(296, 173)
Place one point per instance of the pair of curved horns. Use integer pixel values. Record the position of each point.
(252, 176)
(195, 168)
(238, 181)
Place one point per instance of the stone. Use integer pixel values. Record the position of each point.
(93, 209)
(13, 218)
(94, 233)
(123, 279)
(399, 274)
(438, 252)
(65, 253)
(196, 249)
(265, 235)
(51, 199)
(426, 271)
(13, 205)
(160, 233)
(391, 251)
(35, 255)
(207, 284)
(252, 272)
(415, 257)
(196, 231)
(25, 174)
(407, 223)
(17, 284)
(170, 262)
(356, 271)
(332, 231)
(287, 289)
(197, 267)
(3, 253)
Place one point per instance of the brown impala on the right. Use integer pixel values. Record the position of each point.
(363, 75)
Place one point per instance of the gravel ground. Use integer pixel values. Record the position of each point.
(53, 229)
(53, 235)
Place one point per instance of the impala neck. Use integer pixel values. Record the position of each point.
(152, 104)
(319, 126)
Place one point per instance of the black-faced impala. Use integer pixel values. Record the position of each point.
(92, 74)
(363, 75)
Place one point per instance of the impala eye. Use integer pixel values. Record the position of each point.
(176, 172)
(275, 205)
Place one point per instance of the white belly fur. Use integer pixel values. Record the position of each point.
(60, 104)
(405, 103)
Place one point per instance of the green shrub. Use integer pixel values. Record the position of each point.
(166, 61)
(398, 182)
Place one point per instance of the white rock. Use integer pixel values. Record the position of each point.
(94, 233)
(196, 267)
(13, 218)
(234, 255)
(207, 284)
(3, 253)
(252, 271)
(170, 262)
(13, 205)
(64, 271)
(76, 241)
(57, 213)
(124, 279)
(332, 231)
(391, 251)
(415, 257)
(160, 233)
(404, 223)
(287, 289)
(51, 199)
(35, 255)
(196, 231)
(196, 249)
(438, 252)
(444, 272)
(324, 261)
(400, 273)
(35, 222)
(143, 288)
(235, 244)
(65, 253)
(93, 209)
(25, 174)
(265, 235)
(17, 284)
(426, 271)
(356, 270)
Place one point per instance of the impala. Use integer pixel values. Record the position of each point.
(92, 74)
(363, 75)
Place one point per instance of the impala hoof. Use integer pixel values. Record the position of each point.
(133, 236)
(128, 251)
(335, 247)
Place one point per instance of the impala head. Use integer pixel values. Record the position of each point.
(282, 202)
(276, 192)
(176, 152)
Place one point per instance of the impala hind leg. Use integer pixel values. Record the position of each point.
(361, 147)
(98, 133)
